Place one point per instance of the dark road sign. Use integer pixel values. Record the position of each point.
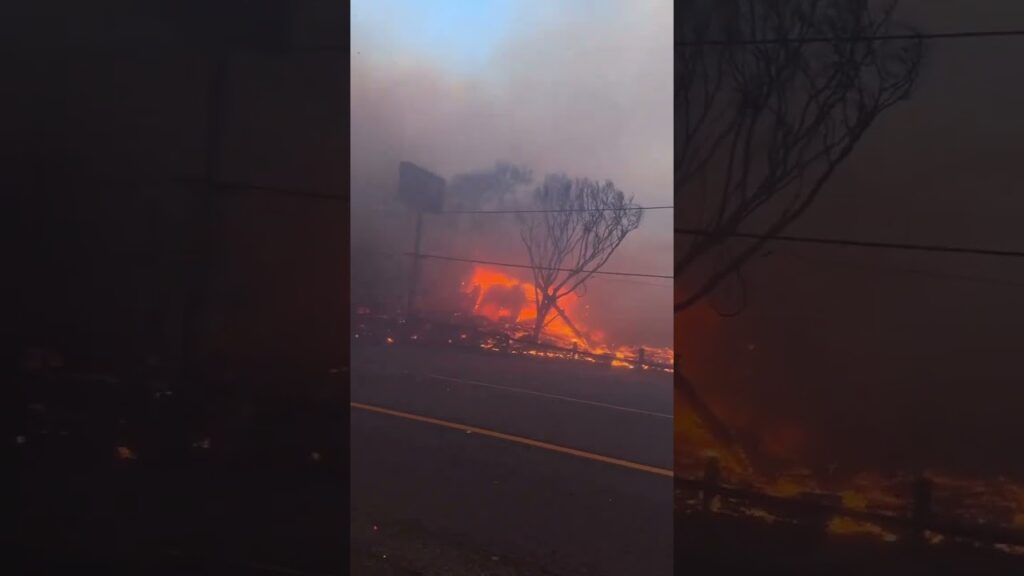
(420, 189)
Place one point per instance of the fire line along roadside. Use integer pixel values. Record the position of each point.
(423, 191)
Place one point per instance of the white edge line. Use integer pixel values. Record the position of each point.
(555, 396)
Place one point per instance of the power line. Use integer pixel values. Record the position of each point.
(636, 282)
(230, 185)
(540, 211)
(217, 185)
(862, 243)
(853, 39)
(809, 40)
(617, 280)
(527, 266)
(534, 211)
(280, 191)
(914, 272)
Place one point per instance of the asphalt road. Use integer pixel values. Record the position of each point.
(551, 464)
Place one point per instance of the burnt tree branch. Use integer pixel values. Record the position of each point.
(582, 225)
(762, 128)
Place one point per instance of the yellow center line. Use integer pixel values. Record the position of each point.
(517, 439)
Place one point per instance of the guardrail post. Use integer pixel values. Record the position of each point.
(921, 510)
(712, 478)
(819, 512)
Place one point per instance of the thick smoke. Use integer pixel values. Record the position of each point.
(587, 93)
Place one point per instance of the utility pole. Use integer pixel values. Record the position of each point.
(264, 27)
(712, 478)
(921, 509)
(205, 203)
(423, 191)
(410, 307)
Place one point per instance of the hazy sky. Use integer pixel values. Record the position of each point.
(893, 358)
(581, 87)
(457, 35)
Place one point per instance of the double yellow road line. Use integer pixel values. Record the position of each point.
(517, 439)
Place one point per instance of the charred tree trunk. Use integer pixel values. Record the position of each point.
(689, 396)
(542, 313)
(761, 130)
(580, 225)
(579, 333)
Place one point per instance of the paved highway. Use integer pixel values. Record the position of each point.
(547, 463)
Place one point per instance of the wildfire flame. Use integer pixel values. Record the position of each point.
(503, 298)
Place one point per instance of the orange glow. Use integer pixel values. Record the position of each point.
(849, 526)
(505, 298)
(776, 447)
(977, 501)
(854, 500)
(501, 297)
(784, 442)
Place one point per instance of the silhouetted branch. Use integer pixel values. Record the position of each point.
(766, 125)
(569, 245)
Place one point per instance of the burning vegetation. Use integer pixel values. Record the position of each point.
(510, 304)
(936, 507)
(557, 236)
(494, 310)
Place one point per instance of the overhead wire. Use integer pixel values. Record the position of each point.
(938, 248)
(855, 39)
(530, 267)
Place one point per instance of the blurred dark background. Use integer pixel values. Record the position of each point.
(174, 335)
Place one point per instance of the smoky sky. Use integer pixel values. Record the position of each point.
(881, 358)
(582, 88)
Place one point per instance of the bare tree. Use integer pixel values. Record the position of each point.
(772, 96)
(577, 228)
